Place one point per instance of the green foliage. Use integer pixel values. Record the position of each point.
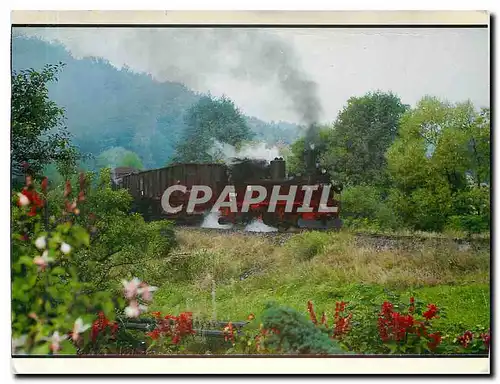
(363, 207)
(364, 129)
(439, 163)
(47, 294)
(121, 242)
(208, 121)
(292, 333)
(38, 137)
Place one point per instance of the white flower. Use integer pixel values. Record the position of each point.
(131, 287)
(43, 261)
(23, 200)
(145, 290)
(78, 328)
(65, 248)
(55, 340)
(134, 309)
(41, 242)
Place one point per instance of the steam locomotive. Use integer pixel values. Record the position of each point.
(148, 188)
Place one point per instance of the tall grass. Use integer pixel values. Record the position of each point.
(249, 271)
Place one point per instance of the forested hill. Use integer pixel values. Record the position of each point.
(108, 108)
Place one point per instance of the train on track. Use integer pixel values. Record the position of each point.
(148, 189)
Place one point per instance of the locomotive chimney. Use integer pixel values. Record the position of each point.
(278, 169)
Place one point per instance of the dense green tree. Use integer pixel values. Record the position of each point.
(38, 134)
(208, 121)
(439, 160)
(364, 129)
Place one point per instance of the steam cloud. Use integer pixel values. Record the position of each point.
(258, 151)
(190, 56)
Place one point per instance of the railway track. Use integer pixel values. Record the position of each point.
(361, 238)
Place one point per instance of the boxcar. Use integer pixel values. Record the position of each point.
(148, 187)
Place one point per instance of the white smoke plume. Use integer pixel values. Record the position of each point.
(212, 221)
(193, 56)
(259, 226)
(258, 151)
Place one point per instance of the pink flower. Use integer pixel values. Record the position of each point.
(131, 287)
(43, 261)
(55, 341)
(23, 200)
(78, 328)
(134, 309)
(145, 290)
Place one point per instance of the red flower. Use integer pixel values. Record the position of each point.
(386, 308)
(394, 325)
(100, 325)
(176, 339)
(431, 312)
(340, 306)
(67, 188)
(312, 315)
(173, 326)
(342, 323)
(44, 184)
(486, 339)
(435, 340)
(411, 309)
(465, 339)
(228, 332)
(81, 196)
(342, 326)
(154, 334)
(33, 198)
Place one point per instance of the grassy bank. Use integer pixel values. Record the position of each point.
(247, 271)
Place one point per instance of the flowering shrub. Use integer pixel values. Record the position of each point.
(51, 307)
(121, 243)
(101, 326)
(408, 332)
(49, 311)
(341, 321)
(171, 330)
(474, 343)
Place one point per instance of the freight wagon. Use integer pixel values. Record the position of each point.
(148, 187)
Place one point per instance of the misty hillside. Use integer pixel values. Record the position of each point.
(106, 107)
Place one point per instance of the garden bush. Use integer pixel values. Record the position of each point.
(120, 243)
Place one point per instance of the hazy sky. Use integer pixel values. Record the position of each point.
(282, 74)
